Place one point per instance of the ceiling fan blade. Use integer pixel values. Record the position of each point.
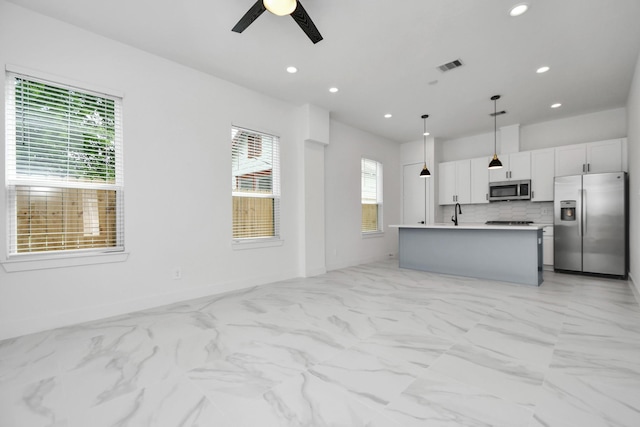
(304, 21)
(252, 14)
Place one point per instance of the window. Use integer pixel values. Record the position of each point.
(255, 169)
(371, 182)
(64, 175)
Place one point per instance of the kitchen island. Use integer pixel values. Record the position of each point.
(504, 253)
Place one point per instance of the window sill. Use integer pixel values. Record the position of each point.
(39, 262)
(255, 244)
(372, 234)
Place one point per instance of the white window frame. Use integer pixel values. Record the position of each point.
(371, 192)
(14, 261)
(275, 194)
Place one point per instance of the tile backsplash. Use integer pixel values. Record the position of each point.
(539, 212)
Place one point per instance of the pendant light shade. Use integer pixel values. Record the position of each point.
(495, 162)
(280, 7)
(425, 172)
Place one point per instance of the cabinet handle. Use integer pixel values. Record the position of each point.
(588, 167)
(533, 194)
(486, 196)
(584, 169)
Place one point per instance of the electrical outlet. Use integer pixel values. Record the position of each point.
(176, 273)
(544, 211)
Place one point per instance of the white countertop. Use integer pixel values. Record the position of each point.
(471, 226)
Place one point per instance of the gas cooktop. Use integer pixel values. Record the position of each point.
(509, 222)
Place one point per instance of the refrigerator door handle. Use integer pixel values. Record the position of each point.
(584, 212)
(579, 214)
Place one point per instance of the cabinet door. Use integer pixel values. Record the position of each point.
(571, 159)
(547, 250)
(463, 181)
(542, 170)
(520, 165)
(502, 174)
(604, 156)
(479, 180)
(446, 183)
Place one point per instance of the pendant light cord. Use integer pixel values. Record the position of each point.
(424, 137)
(495, 125)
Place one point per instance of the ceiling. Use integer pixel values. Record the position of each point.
(383, 55)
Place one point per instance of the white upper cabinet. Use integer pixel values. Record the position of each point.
(480, 180)
(592, 157)
(542, 174)
(604, 156)
(515, 166)
(454, 182)
(571, 159)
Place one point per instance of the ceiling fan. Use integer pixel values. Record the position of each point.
(280, 8)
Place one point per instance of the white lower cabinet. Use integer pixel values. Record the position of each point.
(547, 245)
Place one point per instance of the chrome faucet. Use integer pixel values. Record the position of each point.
(456, 210)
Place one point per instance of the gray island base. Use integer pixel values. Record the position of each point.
(503, 253)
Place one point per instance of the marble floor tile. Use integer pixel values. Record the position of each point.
(437, 400)
(41, 403)
(368, 377)
(515, 380)
(303, 400)
(567, 401)
(370, 345)
(176, 402)
(29, 358)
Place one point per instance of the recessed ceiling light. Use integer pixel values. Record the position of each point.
(292, 70)
(556, 105)
(542, 70)
(333, 89)
(388, 116)
(426, 134)
(519, 9)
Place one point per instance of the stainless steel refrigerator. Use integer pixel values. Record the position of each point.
(590, 224)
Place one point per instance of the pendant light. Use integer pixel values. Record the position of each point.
(495, 162)
(425, 172)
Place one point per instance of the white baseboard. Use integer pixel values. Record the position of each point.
(346, 263)
(19, 327)
(635, 287)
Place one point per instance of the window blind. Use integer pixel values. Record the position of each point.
(255, 174)
(64, 168)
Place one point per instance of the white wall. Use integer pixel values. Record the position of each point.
(177, 165)
(344, 243)
(633, 141)
(609, 124)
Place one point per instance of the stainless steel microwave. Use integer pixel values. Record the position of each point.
(510, 190)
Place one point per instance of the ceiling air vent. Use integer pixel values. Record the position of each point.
(450, 65)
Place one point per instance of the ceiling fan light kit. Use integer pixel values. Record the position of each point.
(280, 7)
(292, 8)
